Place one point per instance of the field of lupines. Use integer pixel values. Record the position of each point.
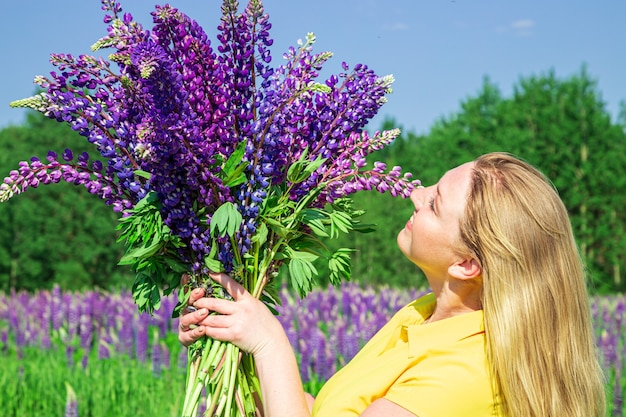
(92, 354)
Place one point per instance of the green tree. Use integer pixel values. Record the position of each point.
(562, 127)
(58, 233)
(559, 125)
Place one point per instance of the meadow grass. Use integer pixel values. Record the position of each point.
(52, 340)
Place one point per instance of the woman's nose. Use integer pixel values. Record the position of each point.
(418, 195)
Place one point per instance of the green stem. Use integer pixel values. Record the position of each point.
(234, 357)
(212, 354)
(213, 397)
(224, 382)
(191, 401)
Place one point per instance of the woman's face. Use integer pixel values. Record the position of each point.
(430, 235)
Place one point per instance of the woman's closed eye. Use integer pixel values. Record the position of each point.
(431, 203)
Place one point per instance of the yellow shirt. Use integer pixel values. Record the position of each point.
(435, 369)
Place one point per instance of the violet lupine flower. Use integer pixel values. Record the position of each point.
(14, 322)
(125, 332)
(156, 357)
(85, 325)
(71, 402)
(4, 338)
(142, 338)
(73, 307)
(105, 345)
(56, 313)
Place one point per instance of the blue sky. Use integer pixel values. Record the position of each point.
(439, 51)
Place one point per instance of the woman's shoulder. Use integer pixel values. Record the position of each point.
(417, 311)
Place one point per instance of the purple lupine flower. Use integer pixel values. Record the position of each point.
(70, 350)
(56, 308)
(73, 307)
(14, 322)
(156, 357)
(85, 324)
(177, 108)
(104, 345)
(142, 338)
(71, 402)
(125, 331)
(4, 338)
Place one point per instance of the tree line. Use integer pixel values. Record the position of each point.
(62, 235)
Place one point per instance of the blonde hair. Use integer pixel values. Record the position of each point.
(540, 344)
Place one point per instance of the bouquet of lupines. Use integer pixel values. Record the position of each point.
(218, 162)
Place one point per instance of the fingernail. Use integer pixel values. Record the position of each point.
(198, 291)
(201, 312)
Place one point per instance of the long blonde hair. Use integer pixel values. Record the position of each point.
(540, 344)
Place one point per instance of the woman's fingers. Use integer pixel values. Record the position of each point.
(192, 319)
(188, 337)
(227, 320)
(188, 329)
(232, 287)
(195, 295)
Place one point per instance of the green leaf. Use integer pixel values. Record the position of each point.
(339, 222)
(226, 220)
(298, 166)
(302, 255)
(234, 167)
(301, 273)
(213, 264)
(146, 294)
(363, 227)
(339, 266)
(314, 218)
(211, 261)
(183, 298)
(140, 253)
(277, 227)
(260, 237)
(143, 174)
(302, 169)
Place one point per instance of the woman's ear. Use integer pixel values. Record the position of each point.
(465, 269)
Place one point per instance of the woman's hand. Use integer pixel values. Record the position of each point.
(189, 327)
(245, 321)
(250, 325)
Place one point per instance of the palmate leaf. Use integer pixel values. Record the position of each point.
(339, 266)
(301, 270)
(226, 220)
(146, 293)
(301, 273)
(151, 251)
(340, 221)
(303, 168)
(315, 219)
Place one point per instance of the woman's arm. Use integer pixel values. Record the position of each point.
(249, 324)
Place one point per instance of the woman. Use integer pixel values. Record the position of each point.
(506, 330)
